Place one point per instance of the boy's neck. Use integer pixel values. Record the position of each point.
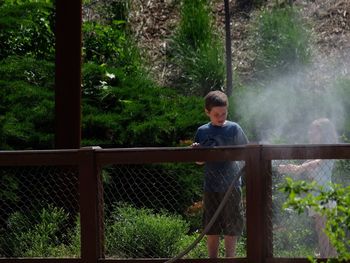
(218, 125)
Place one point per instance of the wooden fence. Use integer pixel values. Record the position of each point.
(89, 162)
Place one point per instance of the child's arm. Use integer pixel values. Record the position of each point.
(298, 169)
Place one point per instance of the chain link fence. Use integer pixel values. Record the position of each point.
(155, 211)
(152, 210)
(300, 234)
(39, 212)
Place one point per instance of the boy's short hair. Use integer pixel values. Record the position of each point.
(215, 98)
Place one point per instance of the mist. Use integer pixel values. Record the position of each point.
(281, 109)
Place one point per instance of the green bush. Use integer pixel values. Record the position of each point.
(139, 233)
(110, 44)
(27, 29)
(282, 41)
(27, 103)
(197, 51)
(41, 235)
(128, 110)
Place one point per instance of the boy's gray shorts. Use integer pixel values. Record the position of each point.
(230, 220)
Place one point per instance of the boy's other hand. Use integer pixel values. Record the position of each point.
(196, 145)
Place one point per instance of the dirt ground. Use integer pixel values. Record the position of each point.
(153, 21)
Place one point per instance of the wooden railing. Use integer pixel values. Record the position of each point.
(89, 162)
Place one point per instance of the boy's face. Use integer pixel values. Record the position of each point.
(217, 115)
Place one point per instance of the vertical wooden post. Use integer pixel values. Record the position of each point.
(267, 192)
(91, 207)
(229, 87)
(255, 204)
(68, 74)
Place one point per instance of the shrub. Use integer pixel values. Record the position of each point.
(197, 51)
(110, 44)
(126, 107)
(139, 233)
(282, 41)
(27, 29)
(27, 103)
(41, 235)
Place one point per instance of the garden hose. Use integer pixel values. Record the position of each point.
(211, 222)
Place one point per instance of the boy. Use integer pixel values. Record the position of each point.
(219, 175)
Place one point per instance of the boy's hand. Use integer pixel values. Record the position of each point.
(195, 145)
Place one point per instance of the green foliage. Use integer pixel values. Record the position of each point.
(195, 24)
(139, 233)
(304, 195)
(197, 51)
(111, 45)
(106, 39)
(282, 42)
(42, 235)
(128, 110)
(27, 29)
(122, 107)
(27, 103)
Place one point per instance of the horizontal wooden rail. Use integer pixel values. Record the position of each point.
(171, 154)
(310, 151)
(36, 158)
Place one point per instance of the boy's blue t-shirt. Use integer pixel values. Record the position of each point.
(219, 175)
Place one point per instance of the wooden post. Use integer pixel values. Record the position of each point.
(229, 83)
(255, 204)
(68, 74)
(91, 207)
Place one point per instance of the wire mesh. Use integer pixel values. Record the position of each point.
(300, 234)
(39, 211)
(155, 211)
